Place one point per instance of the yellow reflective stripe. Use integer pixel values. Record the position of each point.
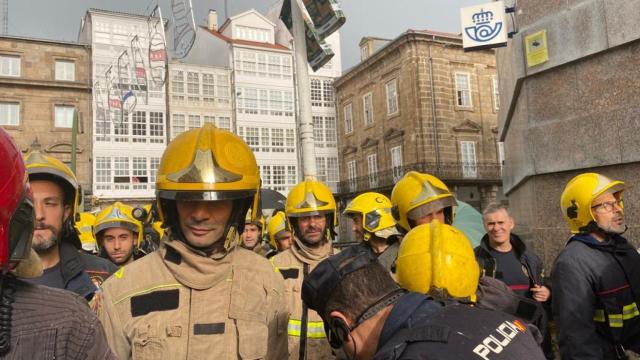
(273, 263)
(315, 329)
(616, 320)
(630, 311)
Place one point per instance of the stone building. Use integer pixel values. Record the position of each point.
(42, 83)
(574, 113)
(386, 123)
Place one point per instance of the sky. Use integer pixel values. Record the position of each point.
(60, 19)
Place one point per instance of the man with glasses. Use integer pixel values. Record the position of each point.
(596, 277)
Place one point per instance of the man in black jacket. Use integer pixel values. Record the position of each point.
(56, 196)
(596, 277)
(370, 317)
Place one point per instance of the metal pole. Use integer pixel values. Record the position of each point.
(74, 140)
(305, 121)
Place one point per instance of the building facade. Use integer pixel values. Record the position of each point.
(129, 103)
(419, 102)
(42, 84)
(575, 112)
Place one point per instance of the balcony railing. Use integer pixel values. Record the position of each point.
(448, 172)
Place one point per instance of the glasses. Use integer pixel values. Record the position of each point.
(607, 206)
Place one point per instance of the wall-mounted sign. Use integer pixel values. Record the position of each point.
(535, 46)
(483, 26)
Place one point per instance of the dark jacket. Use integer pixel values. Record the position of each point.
(48, 323)
(420, 328)
(596, 292)
(532, 265)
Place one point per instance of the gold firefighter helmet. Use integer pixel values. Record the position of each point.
(417, 194)
(208, 164)
(438, 259)
(277, 224)
(117, 215)
(376, 212)
(84, 227)
(312, 197)
(45, 167)
(577, 198)
(257, 221)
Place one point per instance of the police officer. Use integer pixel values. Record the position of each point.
(280, 236)
(371, 317)
(374, 225)
(37, 321)
(200, 296)
(56, 195)
(118, 234)
(596, 277)
(311, 212)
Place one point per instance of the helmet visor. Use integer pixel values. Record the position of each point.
(21, 230)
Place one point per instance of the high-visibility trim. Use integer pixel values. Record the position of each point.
(617, 320)
(315, 329)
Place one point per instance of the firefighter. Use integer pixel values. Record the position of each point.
(374, 225)
(37, 322)
(84, 228)
(421, 198)
(253, 235)
(369, 316)
(56, 195)
(280, 236)
(311, 213)
(119, 235)
(596, 277)
(200, 295)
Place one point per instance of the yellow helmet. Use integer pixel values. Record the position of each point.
(438, 259)
(277, 224)
(84, 227)
(578, 195)
(257, 221)
(312, 197)
(417, 194)
(208, 164)
(118, 215)
(45, 167)
(375, 209)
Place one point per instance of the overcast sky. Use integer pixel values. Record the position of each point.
(60, 19)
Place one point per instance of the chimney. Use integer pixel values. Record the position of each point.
(212, 23)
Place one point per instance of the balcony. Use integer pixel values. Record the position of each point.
(450, 173)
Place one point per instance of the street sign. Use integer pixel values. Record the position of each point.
(483, 26)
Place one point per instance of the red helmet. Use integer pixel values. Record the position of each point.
(16, 204)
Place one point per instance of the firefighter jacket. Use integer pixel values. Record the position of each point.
(596, 292)
(307, 337)
(420, 328)
(178, 303)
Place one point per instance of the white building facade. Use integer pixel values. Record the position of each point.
(129, 136)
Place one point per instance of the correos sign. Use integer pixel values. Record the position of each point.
(483, 26)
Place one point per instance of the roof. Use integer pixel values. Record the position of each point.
(245, 42)
(49, 41)
(439, 33)
(119, 13)
(229, 19)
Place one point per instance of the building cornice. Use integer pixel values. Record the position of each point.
(45, 83)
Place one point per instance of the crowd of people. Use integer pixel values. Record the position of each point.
(202, 274)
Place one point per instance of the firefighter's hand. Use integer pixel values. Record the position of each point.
(540, 293)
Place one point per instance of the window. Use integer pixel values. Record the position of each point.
(318, 131)
(328, 171)
(154, 163)
(496, 94)
(178, 125)
(292, 177)
(372, 170)
(177, 85)
(364, 52)
(222, 88)
(327, 93)
(9, 113)
(324, 131)
(121, 178)
(352, 175)
(277, 140)
(290, 141)
(396, 162)
(139, 124)
(139, 177)
(265, 139)
(279, 178)
(501, 155)
(252, 138)
(64, 116)
(156, 127)
(348, 121)
(121, 128)
(208, 86)
(367, 104)
(252, 63)
(468, 154)
(463, 90)
(392, 97)
(9, 65)
(224, 122)
(194, 121)
(263, 101)
(316, 92)
(322, 93)
(321, 169)
(193, 86)
(252, 34)
(65, 70)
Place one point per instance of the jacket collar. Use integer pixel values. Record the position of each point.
(70, 262)
(518, 245)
